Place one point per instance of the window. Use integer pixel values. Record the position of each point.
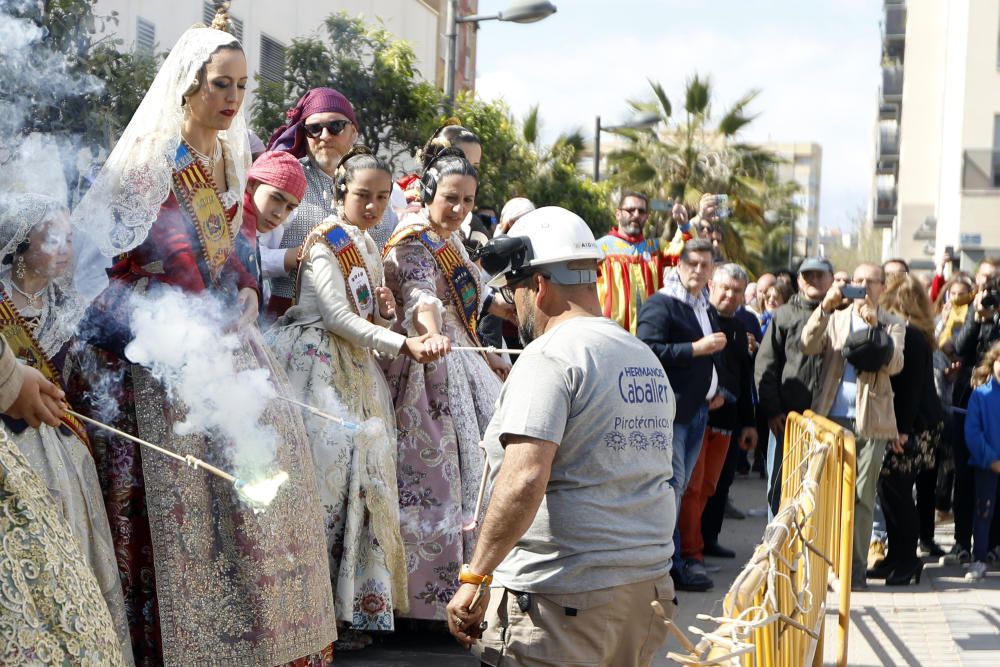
(208, 15)
(145, 36)
(272, 60)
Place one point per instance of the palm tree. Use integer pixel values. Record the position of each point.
(685, 157)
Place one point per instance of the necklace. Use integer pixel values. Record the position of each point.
(208, 162)
(34, 299)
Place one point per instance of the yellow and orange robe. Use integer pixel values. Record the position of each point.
(632, 271)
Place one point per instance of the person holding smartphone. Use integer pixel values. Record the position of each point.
(861, 347)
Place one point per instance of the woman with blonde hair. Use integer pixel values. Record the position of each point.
(919, 419)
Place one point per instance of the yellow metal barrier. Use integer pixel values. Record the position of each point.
(773, 614)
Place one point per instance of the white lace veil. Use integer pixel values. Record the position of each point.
(124, 200)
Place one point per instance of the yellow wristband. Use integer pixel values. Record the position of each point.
(467, 576)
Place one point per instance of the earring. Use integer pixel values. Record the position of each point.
(19, 267)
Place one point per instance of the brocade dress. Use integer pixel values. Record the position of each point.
(327, 348)
(442, 410)
(207, 580)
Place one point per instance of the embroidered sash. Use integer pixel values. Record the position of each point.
(196, 193)
(25, 347)
(352, 266)
(462, 284)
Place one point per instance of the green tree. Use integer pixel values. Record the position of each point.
(373, 69)
(682, 158)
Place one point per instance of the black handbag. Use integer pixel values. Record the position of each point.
(868, 350)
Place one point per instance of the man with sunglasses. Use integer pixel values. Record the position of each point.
(633, 266)
(321, 129)
(575, 541)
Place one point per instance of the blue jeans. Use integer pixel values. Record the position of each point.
(986, 493)
(686, 448)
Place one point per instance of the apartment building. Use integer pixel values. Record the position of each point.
(266, 27)
(937, 162)
(801, 163)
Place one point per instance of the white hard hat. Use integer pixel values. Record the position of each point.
(549, 236)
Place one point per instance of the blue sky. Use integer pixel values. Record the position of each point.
(816, 63)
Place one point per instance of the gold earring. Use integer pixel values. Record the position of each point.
(19, 267)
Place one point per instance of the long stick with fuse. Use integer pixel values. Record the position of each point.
(258, 493)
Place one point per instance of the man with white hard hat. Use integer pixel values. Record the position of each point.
(576, 541)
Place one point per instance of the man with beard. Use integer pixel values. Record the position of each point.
(320, 130)
(633, 266)
(576, 537)
(786, 378)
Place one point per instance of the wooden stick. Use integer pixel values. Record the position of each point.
(472, 525)
(487, 348)
(192, 461)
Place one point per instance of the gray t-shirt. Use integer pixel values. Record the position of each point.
(608, 514)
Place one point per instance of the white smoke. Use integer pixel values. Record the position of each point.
(187, 344)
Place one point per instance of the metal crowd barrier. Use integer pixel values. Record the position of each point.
(773, 614)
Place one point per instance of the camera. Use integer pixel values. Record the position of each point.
(991, 294)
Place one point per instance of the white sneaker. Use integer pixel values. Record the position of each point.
(976, 571)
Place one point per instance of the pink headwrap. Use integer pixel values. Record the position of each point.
(280, 170)
(290, 137)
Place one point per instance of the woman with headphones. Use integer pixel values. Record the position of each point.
(442, 408)
(327, 342)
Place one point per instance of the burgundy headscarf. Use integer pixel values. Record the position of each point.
(290, 137)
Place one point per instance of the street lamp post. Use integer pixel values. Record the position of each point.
(518, 12)
(641, 122)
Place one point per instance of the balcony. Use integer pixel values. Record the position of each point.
(892, 83)
(885, 201)
(894, 22)
(981, 169)
(887, 150)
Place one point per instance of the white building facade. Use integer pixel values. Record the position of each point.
(937, 171)
(266, 27)
(801, 163)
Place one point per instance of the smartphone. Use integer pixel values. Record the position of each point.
(853, 291)
(722, 206)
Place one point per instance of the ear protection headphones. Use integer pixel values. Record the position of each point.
(429, 179)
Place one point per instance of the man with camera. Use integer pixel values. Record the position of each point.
(577, 531)
(861, 347)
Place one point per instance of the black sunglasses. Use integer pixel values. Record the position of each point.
(334, 127)
(507, 291)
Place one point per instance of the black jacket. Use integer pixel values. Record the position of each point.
(915, 399)
(735, 367)
(971, 343)
(669, 327)
(787, 378)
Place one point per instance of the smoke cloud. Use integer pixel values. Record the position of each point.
(187, 344)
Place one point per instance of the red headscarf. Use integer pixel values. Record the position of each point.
(280, 170)
(290, 137)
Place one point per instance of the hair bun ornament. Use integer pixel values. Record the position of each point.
(221, 20)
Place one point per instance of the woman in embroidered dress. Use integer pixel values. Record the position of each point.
(207, 580)
(326, 343)
(442, 409)
(38, 312)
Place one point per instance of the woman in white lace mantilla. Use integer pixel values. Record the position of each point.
(38, 312)
(327, 342)
(206, 579)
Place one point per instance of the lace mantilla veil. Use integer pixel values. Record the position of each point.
(125, 198)
(62, 307)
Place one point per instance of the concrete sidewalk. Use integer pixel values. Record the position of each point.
(943, 621)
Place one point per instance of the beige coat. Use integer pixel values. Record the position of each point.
(823, 333)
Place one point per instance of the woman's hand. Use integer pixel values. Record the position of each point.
(498, 365)
(386, 302)
(899, 444)
(247, 298)
(426, 348)
(505, 310)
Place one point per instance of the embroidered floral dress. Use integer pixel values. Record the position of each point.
(64, 462)
(442, 409)
(327, 349)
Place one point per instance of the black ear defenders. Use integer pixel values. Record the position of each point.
(506, 254)
(429, 179)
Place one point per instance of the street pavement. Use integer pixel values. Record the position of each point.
(943, 621)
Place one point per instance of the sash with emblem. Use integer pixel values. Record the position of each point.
(352, 266)
(16, 331)
(196, 193)
(462, 284)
